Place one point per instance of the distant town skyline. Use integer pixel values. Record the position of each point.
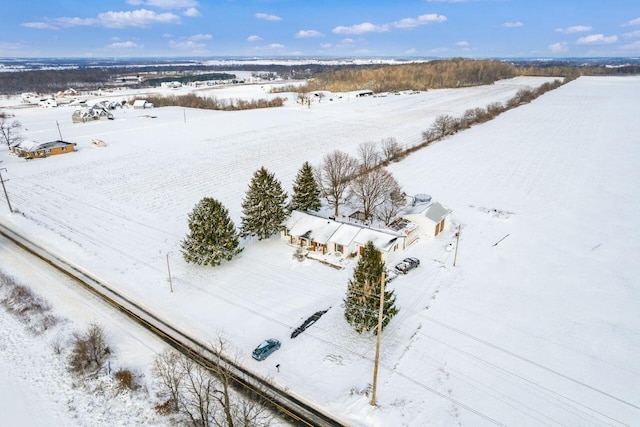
(268, 28)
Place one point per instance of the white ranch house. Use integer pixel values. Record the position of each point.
(325, 236)
(335, 241)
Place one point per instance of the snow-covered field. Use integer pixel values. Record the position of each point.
(540, 329)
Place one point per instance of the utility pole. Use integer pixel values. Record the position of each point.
(455, 257)
(59, 133)
(169, 270)
(5, 189)
(379, 334)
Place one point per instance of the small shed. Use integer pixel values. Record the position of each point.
(141, 104)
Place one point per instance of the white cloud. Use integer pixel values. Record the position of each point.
(634, 22)
(411, 51)
(254, 38)
(558, 47)
(365, 27)
(597, 39)
(421, 20)
(136, 18)
(186, 45)
(167, 36)
(40, 26)
(267, 17)
(165, 4)
(512, 24)
(404, 24)
(326, 45)
(123, 45)
(463, 44)
(632, 34)
(307, 34)
(192, 12)
(574, 29)
(199, 37)
(347, 40)
(76, 22)
(133, 18)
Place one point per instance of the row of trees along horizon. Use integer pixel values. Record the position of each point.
(444, 73)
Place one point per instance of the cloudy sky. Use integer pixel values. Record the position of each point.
(441, 28)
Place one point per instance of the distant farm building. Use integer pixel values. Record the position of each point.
(141, 104)
(97, 112)
(32, 149)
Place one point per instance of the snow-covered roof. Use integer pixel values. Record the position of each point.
(381, 239)
(31, 146)
(436, 212)
(311, 227)
(323, 230)
(418, 208)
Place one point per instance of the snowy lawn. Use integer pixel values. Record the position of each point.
(539, 329)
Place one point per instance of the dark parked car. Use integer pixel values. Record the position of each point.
(310, 321)
(413, 261)
(265, 349)
(407, 265)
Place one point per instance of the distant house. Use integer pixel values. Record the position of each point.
(97, 112)
(326, 236)
(142, 104)
(431, 217)
(32, 149)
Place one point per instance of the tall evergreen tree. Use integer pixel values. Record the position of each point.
(213, 237)
(306, 192)
(362, 302)
(263, 207)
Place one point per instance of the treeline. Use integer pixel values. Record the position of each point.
(194, 101)
(446, 125)
(47, 81)
(449, 73)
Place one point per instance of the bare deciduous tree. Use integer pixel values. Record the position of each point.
(390, 149)
(10, 131)
(201, 395)
(334, 174)
(369, 155)
(373, 189)
(392, 206)
(443, 125)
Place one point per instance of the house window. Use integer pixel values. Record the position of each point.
(339, 248)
